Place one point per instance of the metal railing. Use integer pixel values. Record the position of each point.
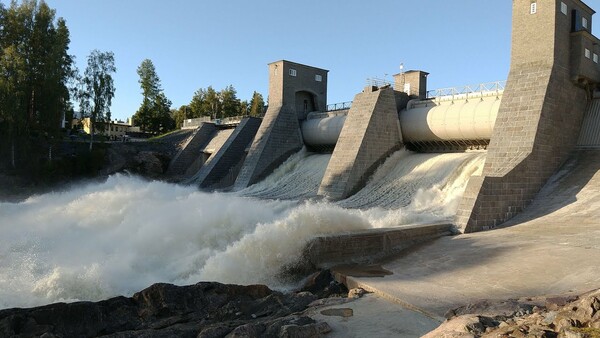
(229, 120)
(339, 106)
(497, 86)
(377, 82)
(193, 123)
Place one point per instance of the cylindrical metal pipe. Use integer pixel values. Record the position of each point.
(459, 120)
(322, 132)
(469, 118)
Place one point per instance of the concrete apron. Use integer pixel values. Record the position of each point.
(525, 260)
(350, 255)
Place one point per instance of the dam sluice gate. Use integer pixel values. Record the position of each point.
(527, 127)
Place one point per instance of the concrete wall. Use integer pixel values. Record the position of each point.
(538, 122)
(277, 138)
(294, 91)
(371, 133)
(284, 87)
(220, 165)
(191, 150)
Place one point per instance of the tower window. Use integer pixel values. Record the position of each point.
(595, 58)
(563, 8)
(293, 72)
(588, 54)
(533, 8)
(318, 78)
(584, 22)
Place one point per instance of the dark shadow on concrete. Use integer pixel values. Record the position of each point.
(562, 188)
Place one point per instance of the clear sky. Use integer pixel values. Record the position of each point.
(197, 43)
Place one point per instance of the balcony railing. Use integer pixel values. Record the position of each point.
(497, 86)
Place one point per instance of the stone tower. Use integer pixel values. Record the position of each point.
(294, 91)
(554, 69)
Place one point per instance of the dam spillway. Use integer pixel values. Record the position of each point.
(528, 128)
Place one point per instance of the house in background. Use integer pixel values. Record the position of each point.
(113, 130)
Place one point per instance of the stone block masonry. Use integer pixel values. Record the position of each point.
(539, 119)
(277, 138)
(191, 149)
(221, 165)
(370, 134)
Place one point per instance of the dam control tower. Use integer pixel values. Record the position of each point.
(295, 90)
(553, 73)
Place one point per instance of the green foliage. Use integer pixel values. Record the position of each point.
(221, 104)
(154, 114)
(257, 105)
(35, 69)
(180, 115)
(97, 89)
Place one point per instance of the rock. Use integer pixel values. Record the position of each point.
(149, 164)
(462, 326)
(247, 331)
(305, 331)
(356, 293)
(164, 310)
(323, 285)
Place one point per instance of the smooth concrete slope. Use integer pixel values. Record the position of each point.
(222, 167)
(277, 138)
(538, 123)
(370, 134)
(552, 248)
(191, 149)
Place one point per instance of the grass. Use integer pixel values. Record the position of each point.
(159, 137)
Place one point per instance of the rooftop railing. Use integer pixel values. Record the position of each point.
(497, 86)
(339, 106)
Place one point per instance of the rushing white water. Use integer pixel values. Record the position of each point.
(433, 181)
(297, 178)
(120, 236)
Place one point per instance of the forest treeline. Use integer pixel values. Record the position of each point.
(41, 87)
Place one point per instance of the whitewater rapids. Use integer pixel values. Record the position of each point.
(117, 237)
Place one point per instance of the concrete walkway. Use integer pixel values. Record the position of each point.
(551, 248)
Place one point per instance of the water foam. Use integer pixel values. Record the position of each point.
(297, 178)
(120, 236)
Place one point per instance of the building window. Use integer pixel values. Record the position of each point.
(293, 72)
(595, 58)
(563, 8)
(588, 54)
(533, 8)
(584, 22)
(318, 78)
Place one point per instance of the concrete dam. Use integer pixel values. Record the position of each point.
(507, 140)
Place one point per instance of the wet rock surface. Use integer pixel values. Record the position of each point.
(206, 309)
(540, 317)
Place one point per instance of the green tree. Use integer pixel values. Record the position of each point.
(198, 105)
(180, 115)
(35, 69)
(212, 103)
(97, 89)
(230, 104)
(257, 104)
(154, 114)
(244, 107)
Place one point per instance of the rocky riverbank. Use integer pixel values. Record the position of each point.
(538, 317)
(206, 309)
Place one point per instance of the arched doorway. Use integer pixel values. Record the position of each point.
(305, 103)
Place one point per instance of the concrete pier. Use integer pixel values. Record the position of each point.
(370, 134)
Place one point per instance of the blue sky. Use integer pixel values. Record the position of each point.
(197, 43)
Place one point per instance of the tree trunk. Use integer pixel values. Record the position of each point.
(92, 132)
(12, 154)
